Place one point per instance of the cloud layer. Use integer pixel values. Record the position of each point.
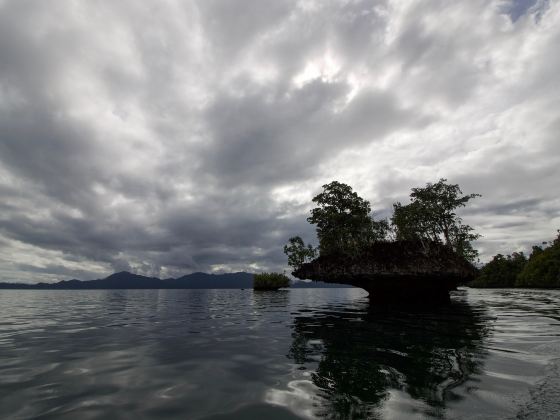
(166, 137)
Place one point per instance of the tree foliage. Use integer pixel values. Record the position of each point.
(541, 270)
(431, 216)
(344, 223)
(298, 252)
(343, 220)
(502, 271)
(543, 267)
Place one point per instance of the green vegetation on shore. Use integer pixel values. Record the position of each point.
(270, 281)
(501, 271)
(540, 270)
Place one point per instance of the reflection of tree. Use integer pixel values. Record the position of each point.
(362, 355)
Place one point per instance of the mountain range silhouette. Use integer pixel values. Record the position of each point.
(127, 280)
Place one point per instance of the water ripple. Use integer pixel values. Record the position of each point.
(217, 354)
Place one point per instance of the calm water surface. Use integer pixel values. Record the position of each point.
(236, 354)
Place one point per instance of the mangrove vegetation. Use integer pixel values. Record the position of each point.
(270, 281)
(344, 223)
(540, 270)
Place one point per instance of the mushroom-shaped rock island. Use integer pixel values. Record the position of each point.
(395, 272)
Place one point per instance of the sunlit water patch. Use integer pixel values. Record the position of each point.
(307, 353)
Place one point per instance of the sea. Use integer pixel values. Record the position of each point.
(287, 354)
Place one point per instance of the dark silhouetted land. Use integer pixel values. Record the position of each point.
(126, 280)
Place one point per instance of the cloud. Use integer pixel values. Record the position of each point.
(175, 136)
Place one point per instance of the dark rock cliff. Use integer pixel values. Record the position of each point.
(401, 271)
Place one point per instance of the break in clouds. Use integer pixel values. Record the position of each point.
(166, 137)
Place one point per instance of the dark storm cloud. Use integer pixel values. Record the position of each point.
(168, 137)
(518, 8)
(514, 206)
(58, 270)
(258, 139)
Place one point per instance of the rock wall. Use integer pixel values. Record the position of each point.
(400, 270)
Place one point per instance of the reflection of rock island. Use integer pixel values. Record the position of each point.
(358, 356)
(403, 271)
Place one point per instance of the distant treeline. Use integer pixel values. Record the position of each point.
(540, 270)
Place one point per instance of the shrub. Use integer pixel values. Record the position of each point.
(270, 281)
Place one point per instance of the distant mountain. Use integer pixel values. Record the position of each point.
(122, 280)
(126, 280)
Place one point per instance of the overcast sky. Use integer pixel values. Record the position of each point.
(166, 137)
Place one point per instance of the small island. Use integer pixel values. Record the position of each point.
(418, 257)
(397, 271)
(270, 281)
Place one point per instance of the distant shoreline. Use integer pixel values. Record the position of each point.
(129, 281)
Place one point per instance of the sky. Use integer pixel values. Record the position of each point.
(166, 137)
